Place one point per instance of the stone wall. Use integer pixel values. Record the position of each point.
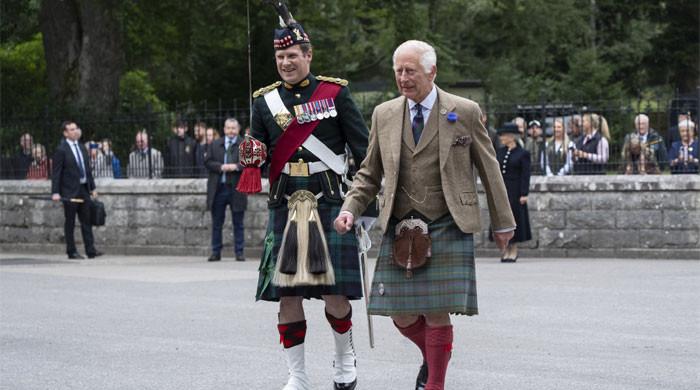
(575, 216)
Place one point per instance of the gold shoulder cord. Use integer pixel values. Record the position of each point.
(336, 80)
(267, 89)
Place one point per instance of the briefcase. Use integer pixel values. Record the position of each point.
(98, 216)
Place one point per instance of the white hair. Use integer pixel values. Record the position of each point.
(428, 58)
(641, 118)
(686, 123)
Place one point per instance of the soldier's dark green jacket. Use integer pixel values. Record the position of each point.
(335, 132)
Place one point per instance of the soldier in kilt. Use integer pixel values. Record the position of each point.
(304, 256)
(425, 145)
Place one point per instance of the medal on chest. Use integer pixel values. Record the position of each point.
(315, 110)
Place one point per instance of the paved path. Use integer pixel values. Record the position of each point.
(182, 323)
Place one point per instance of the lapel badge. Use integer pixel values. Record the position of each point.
(452, 117)
(463, 140)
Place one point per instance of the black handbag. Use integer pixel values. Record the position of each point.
(98, 216)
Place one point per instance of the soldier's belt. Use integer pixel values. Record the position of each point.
(304, 169)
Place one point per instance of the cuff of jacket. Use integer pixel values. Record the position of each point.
(504, 230)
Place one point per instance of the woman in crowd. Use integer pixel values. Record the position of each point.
(592, 150)
(41, 165)
(683, 154)
(515, 168)
(556, 160)
(108, 163)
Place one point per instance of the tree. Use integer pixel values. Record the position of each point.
(83, 49)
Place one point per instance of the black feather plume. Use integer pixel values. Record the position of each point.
(281, 8)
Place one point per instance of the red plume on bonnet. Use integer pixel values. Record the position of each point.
(253, 154)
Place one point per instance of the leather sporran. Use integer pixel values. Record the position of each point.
(411, 245)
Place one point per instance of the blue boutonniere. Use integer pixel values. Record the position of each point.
(452, 117)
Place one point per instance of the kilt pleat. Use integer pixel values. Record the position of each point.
(447, 283)
(342, 250)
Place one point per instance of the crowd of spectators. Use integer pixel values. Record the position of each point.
(572, 145)
(580, 145)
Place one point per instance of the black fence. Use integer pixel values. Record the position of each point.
(142, 145)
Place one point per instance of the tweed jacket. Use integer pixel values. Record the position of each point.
(464, 145)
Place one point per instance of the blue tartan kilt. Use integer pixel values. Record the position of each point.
(446, 284)
(342, 250)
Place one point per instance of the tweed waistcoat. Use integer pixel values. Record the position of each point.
(419, 187)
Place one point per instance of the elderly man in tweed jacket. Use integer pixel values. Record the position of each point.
(425, 144)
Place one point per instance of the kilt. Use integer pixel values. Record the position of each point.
(447, 283)
(342, 250)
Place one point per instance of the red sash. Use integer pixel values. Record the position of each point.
(296, 133)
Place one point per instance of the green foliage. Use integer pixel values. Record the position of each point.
(23, 83)
(137, 94)
(523, 50)
(19, 20)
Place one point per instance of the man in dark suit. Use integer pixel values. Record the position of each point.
(224, 173)
(71, 179)
(181, 153)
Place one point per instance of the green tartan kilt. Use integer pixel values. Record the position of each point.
(342, 250)
(447, 283)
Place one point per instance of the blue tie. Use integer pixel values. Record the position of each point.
(80, 161)
(417, 124)
(226, 151)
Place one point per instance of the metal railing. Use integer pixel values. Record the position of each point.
(27, 143)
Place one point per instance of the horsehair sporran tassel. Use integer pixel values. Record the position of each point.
(288, 254)
(309, 243)
(317, 246)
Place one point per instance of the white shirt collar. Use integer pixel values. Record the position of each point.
(428, 102)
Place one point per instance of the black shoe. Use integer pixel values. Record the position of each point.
(215, 257)
(240, 258)
(345, 386)
(94, 254)
(75, 256)
(422, 377)
(508, 260)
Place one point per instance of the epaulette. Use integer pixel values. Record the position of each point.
(267, 89)
(336, 80)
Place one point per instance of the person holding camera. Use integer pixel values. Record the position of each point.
(73, 184)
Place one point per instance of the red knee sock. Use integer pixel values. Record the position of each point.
(292, 334)
(438, 346)
(340, 325)
(416, 333)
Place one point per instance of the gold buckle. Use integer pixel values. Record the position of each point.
(299, 168)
